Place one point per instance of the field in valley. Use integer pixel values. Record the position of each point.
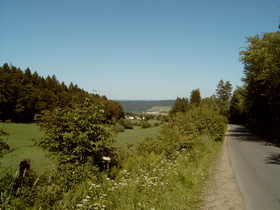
(22, 146)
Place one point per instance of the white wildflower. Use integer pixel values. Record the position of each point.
(106, 158)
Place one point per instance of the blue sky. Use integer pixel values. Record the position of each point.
(144, 49)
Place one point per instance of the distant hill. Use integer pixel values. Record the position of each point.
(143, 106)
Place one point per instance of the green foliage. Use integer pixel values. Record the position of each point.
(3, 144)
(23, 94)
(223, 90)
(76, 135)
(164, 172)
(237, 106)
(185, 129)
(262, 81)
(126, 123)
(195, 97)
(181, 105)
(145, 124)
(119, 128)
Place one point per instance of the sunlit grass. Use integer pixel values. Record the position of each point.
(22, 146)
(154, 182)
(136, 135)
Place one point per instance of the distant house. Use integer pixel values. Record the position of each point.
(129, 117)
(137, 118)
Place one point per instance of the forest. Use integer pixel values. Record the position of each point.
(24, 94)
(257, 103)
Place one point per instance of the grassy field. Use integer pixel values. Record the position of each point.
(136, 135)
(22, 146)
(159, 109)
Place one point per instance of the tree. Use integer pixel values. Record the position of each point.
(237, 110)
(223, 90)
(181, 105)
(76, 135)
(262, 79)
(195, 96)
(23, 94)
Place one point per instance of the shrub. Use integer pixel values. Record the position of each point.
(119, 128)
(145, 124)
(78, 135)
(127, 124)
(156, 124)
(185, 130)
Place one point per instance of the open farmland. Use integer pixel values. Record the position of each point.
(136, 135)
(22, 145)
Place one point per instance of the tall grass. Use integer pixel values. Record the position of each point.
(152, 181)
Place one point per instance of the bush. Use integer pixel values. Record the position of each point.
(145, 124)
(127, 124)
(156, 124)
(119, 128)
(185, 131)
(77, 135)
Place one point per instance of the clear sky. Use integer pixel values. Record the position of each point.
(134, 49)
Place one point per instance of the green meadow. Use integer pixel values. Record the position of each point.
(22, 145)
(136, 135)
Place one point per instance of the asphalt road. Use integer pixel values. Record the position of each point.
(256, 166)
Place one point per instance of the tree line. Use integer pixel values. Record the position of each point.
(24, 94)
(220, 101)
(257, 103)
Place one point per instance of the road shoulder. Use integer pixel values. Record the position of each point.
(221, 191)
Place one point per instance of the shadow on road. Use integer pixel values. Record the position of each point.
(242, 134)
(273, 159)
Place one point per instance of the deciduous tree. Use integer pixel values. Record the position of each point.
(262, 78)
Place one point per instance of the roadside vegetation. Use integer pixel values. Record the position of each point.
(88, 156)
(165, 170)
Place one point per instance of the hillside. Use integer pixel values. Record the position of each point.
(143, 106)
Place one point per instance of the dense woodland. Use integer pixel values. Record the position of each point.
(24, 94)
(257, 103)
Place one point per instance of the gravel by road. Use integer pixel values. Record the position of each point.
(221, 191)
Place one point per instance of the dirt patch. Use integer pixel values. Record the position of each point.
(221, 190)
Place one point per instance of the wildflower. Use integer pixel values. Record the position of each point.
(106, 158)
(79, 205)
